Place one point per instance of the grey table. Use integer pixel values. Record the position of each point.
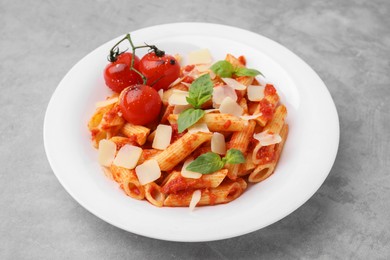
(346, 42)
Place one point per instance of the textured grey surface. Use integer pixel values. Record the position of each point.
(346, 42)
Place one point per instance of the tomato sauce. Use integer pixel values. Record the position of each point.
(110, 115)
(227, 124)
(189, 145)
(188, 68)
(164, 115)
(94, 132)
(269, 90)
(131, 141)
(147, 153)
(242, 60)
(175, 133)
(239, 94)
(212, 197)
(266, 154)
(185, 194)
(188, 79)
(178, 184)
(201, 150)
(266, 109)
(135, 190)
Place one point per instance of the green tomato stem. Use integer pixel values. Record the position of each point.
(133, 59)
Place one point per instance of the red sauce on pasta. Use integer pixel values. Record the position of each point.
(176, 185)
(200, 151)
(266, 108)
(135, 190)
(188, 68)
(239, 94)
(94, 132)
(147, 153)
(131, 141)
(180, 183)
(212, 197)
(184, 195)
(110, 115)
(242, 60)
(188, 79)
(175, 133)
(227, 124)
(265, 154)
(269, 90)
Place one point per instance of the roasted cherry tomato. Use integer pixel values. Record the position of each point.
(118, 74)
(140, 104)
(160, 71)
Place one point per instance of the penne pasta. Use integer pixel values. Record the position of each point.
(97, 117)
(242, 102)
(269, 101)
(129, 181)
(234, 61)
(147, 154)
(168, 110)
(154, 194)
(139, 133)
(177, 182)
(217, 122)
(273, 127)
(120, 141)
(180, 149)
(262, 172)
(246, 167)
(101, 127)
(242, 183)
(224, 193)
(111, 119)
(245, 80)
(240, 141)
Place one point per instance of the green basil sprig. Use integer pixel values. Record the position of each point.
(188, 118)
(211, 162)
(199, 93)
(225, 69)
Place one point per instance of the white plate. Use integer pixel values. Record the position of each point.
(307, 158)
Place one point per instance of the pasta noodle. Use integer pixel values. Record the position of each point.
(218, 122)
(154, 194)
(262, 172)
(177, 182)
(139, 133)
(224, 193)
(179, 150)
(128, 181)
(240, 141)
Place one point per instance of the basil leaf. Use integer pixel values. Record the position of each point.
(211, 162)
(191, 101)
(247, 72)
(234, 156)
(206, 163)
(223, 68)
(188, 118)
(200, 91)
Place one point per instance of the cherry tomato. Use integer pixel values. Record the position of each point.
(160, 72)
(140, 104)
(118, 74)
